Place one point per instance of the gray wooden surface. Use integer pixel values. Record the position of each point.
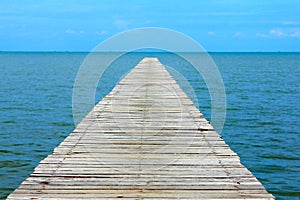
(144, 140)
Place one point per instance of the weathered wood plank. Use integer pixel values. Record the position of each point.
(144, 140)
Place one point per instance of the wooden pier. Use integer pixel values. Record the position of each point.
(144, 140)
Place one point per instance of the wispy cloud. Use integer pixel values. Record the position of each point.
(261, 35)
(291, 23)
(280, 33)
(102, 33)
(211, 33)
(237, 34)
(277, 33)
(121, 23)
(295, 34)
(72, 31)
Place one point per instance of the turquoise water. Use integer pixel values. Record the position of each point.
(262, 122)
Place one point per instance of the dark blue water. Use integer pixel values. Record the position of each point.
(262, 123)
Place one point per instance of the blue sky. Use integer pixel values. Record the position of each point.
(218, 25)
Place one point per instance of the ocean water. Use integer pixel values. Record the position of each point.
(262, 121)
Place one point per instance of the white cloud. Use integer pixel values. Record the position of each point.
(120, 23)
(211, 33)
(102, 33)
(291, 23)
(237, 34)
(148, 22)
(295, 34)
(280, 33)
(261, 35)
(277, 33)
(70, 31)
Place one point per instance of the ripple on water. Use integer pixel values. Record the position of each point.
(262, 122)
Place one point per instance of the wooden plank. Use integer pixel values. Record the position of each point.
(144, 140)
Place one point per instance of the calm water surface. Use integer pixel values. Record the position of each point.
(262, 123)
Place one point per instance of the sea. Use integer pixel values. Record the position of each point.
(262, 123)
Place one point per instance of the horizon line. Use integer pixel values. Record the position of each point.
(54, 51)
